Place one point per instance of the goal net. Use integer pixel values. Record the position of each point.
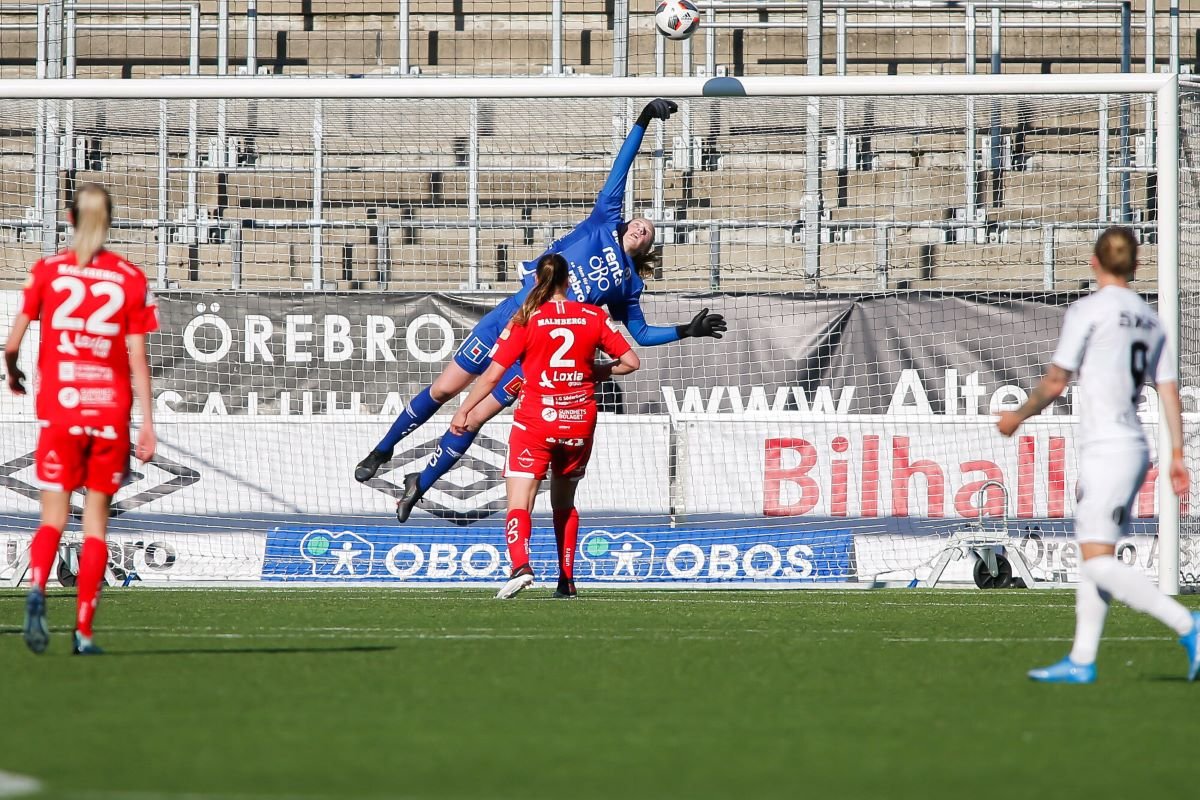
(893, 269)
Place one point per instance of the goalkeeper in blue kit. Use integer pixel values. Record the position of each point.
(608, 257)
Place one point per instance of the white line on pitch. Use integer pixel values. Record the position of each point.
(13, 785)
(1011, 639)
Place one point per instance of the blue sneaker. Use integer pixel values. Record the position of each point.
(37, 633)
(83, 646)
(1191, 643)
(1065, 671)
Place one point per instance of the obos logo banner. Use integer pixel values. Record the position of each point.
(611, 556)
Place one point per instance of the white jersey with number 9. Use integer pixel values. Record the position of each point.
(1115, 343)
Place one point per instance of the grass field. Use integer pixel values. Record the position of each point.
(448, 694)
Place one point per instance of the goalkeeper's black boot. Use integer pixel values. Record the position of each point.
(367, 468)
(566, 589)
(412, 495)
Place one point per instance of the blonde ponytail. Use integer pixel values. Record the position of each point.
(91, 213)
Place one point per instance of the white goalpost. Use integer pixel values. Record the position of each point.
(893, 256)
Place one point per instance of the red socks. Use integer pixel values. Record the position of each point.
(518, 527)
(41, 554)
(566, 533)
(92, 562)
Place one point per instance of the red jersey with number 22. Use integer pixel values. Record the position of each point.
(86, 312)
(557, 350)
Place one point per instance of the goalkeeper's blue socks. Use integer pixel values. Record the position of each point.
(415, 414)
(450, 449)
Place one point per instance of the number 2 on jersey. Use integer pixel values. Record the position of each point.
(98, 323)
(568, 338)
(1137, 367)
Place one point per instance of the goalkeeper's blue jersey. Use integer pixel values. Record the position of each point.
(601, 273)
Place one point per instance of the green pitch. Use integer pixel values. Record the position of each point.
(619, 695)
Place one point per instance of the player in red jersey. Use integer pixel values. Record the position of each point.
(95, 310)
(555, 339)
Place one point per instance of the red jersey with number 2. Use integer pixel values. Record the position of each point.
(557, 350)
(83, 367)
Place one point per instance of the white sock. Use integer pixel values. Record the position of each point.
(1091, 607)
(1136, 591)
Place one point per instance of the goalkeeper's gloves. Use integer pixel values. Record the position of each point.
(16, 378)
(703, 324)
(657, 109)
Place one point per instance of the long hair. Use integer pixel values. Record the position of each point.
(645, 263)
(552, 272)
(91, 210)
(1116, 250)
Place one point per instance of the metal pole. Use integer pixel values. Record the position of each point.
(71, 14)
(1175, 37)
(193, 128)
(1048, 258)
(812, 144)
(659, 162)
(252, 37)
(39, 135)
(969, 150)
(685, 117)
(473, 198)
(54, 39)
(163, 155)
(620, 66)
(50, 193)
(714, 257)
(72, 65)
(1150, 68)
(1151, 50)
(882, 233)
(1126, 160)
(405, 27)
(627, 206)
(236, 256)
(383, 270)
(840, 159)
(556, 34)
(1102, 156)
(997, 165)
(1167, 165)
(710, 41)
(318, 134)
(222, 69)
(50, 139)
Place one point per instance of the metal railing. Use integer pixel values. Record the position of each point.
(59, 23)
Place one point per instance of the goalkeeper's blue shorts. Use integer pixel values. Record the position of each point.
(475, 353)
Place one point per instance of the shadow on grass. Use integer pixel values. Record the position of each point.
(183, 651)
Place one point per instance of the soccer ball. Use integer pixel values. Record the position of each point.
(677, 19)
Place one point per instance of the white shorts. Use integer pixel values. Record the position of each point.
(1109, 480)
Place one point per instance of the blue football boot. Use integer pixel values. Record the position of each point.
(1191, 643)
(1065, 671)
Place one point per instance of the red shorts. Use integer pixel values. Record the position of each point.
(533, 453)
(71, 456)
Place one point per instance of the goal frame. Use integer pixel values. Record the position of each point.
(1164, 87)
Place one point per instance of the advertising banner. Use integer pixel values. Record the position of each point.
(161, 557)
(817, 422)
(639, 555)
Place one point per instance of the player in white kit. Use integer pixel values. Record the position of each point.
(1114, 342)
